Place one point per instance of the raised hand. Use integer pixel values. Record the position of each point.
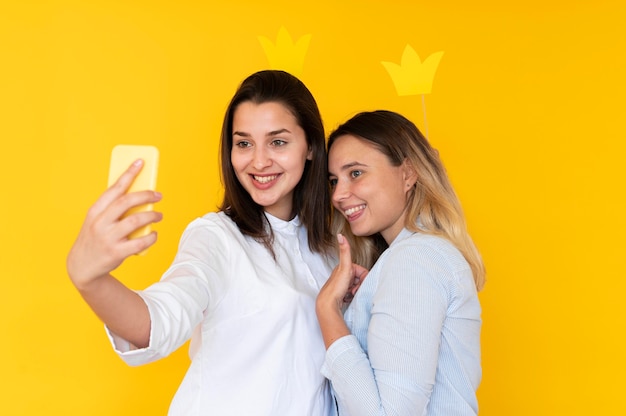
(340, 287)
(102, 243)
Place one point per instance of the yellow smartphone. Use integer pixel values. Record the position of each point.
(122, 156)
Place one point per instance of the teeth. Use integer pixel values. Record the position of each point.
(265, 179)
(351, 211)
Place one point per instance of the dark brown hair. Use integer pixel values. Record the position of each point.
(311, 197)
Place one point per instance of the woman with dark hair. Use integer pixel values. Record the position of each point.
(409, 343)
(244, 281)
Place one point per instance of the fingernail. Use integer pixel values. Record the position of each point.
(138, 162)
(158, 194)
(340, 239)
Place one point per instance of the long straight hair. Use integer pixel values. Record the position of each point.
(432, 205)
(311, 197)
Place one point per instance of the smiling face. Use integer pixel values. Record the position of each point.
(367, 189)
(268, 154)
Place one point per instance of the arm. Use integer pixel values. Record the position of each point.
(102, 245)
(397, 374)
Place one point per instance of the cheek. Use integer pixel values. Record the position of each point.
(293, 163)
(238, 161)
(395, 187)
(383, 196)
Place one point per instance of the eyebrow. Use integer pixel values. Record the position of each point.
(269, 134)
(352, 164)
(348, 166)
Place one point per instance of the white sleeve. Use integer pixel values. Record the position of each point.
(178, 302)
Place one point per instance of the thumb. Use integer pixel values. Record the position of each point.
(345, 257)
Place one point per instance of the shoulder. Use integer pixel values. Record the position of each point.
(216, 222)
(426, 267)
(219, 219)
(216, 228)
(423, 249)
(424, 263)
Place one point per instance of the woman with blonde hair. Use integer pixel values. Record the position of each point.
(409, 342)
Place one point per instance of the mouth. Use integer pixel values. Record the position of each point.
(264, 179)
(351, 211)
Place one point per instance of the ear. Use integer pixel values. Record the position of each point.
(409, 174)
(309, 156)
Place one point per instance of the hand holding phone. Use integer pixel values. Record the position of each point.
(122, 156)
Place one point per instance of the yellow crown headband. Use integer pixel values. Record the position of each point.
(414, 77)
(410, 77)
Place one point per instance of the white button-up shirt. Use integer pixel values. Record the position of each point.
(257, 347)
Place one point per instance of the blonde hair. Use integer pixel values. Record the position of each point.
(432, 205)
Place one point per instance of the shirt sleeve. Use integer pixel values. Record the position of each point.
(178, 302)
(397, 375)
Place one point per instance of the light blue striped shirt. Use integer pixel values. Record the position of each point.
(415, 343)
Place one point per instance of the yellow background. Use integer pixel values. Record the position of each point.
(527, 110)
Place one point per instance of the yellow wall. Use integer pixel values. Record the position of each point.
(527, 110)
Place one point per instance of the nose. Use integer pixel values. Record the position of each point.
(262, 158)
(340, 192)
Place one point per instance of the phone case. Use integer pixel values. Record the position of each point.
(122, 156)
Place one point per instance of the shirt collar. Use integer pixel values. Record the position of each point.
(281, 225)
(404, 234)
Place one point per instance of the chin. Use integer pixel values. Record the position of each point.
(359, 233)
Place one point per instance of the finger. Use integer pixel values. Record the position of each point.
(355, 287)
(345, 258)
(119, 188)
(138, 245)
(135, 221)
(134, 201)
(360, 271)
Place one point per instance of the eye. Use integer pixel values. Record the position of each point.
(355, 174)
(278, 142)
(243, 144)
(333, 182)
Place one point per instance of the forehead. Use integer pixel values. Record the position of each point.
(249, 113)
(349, 149)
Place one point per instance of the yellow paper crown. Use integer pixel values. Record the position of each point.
(412, 77)
(285, 54)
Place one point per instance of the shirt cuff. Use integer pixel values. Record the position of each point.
(337, 355)
(130, 354)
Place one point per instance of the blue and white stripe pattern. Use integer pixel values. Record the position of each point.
(415, 343)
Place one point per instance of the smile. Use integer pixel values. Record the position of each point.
(352, 210)
(264, 179)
